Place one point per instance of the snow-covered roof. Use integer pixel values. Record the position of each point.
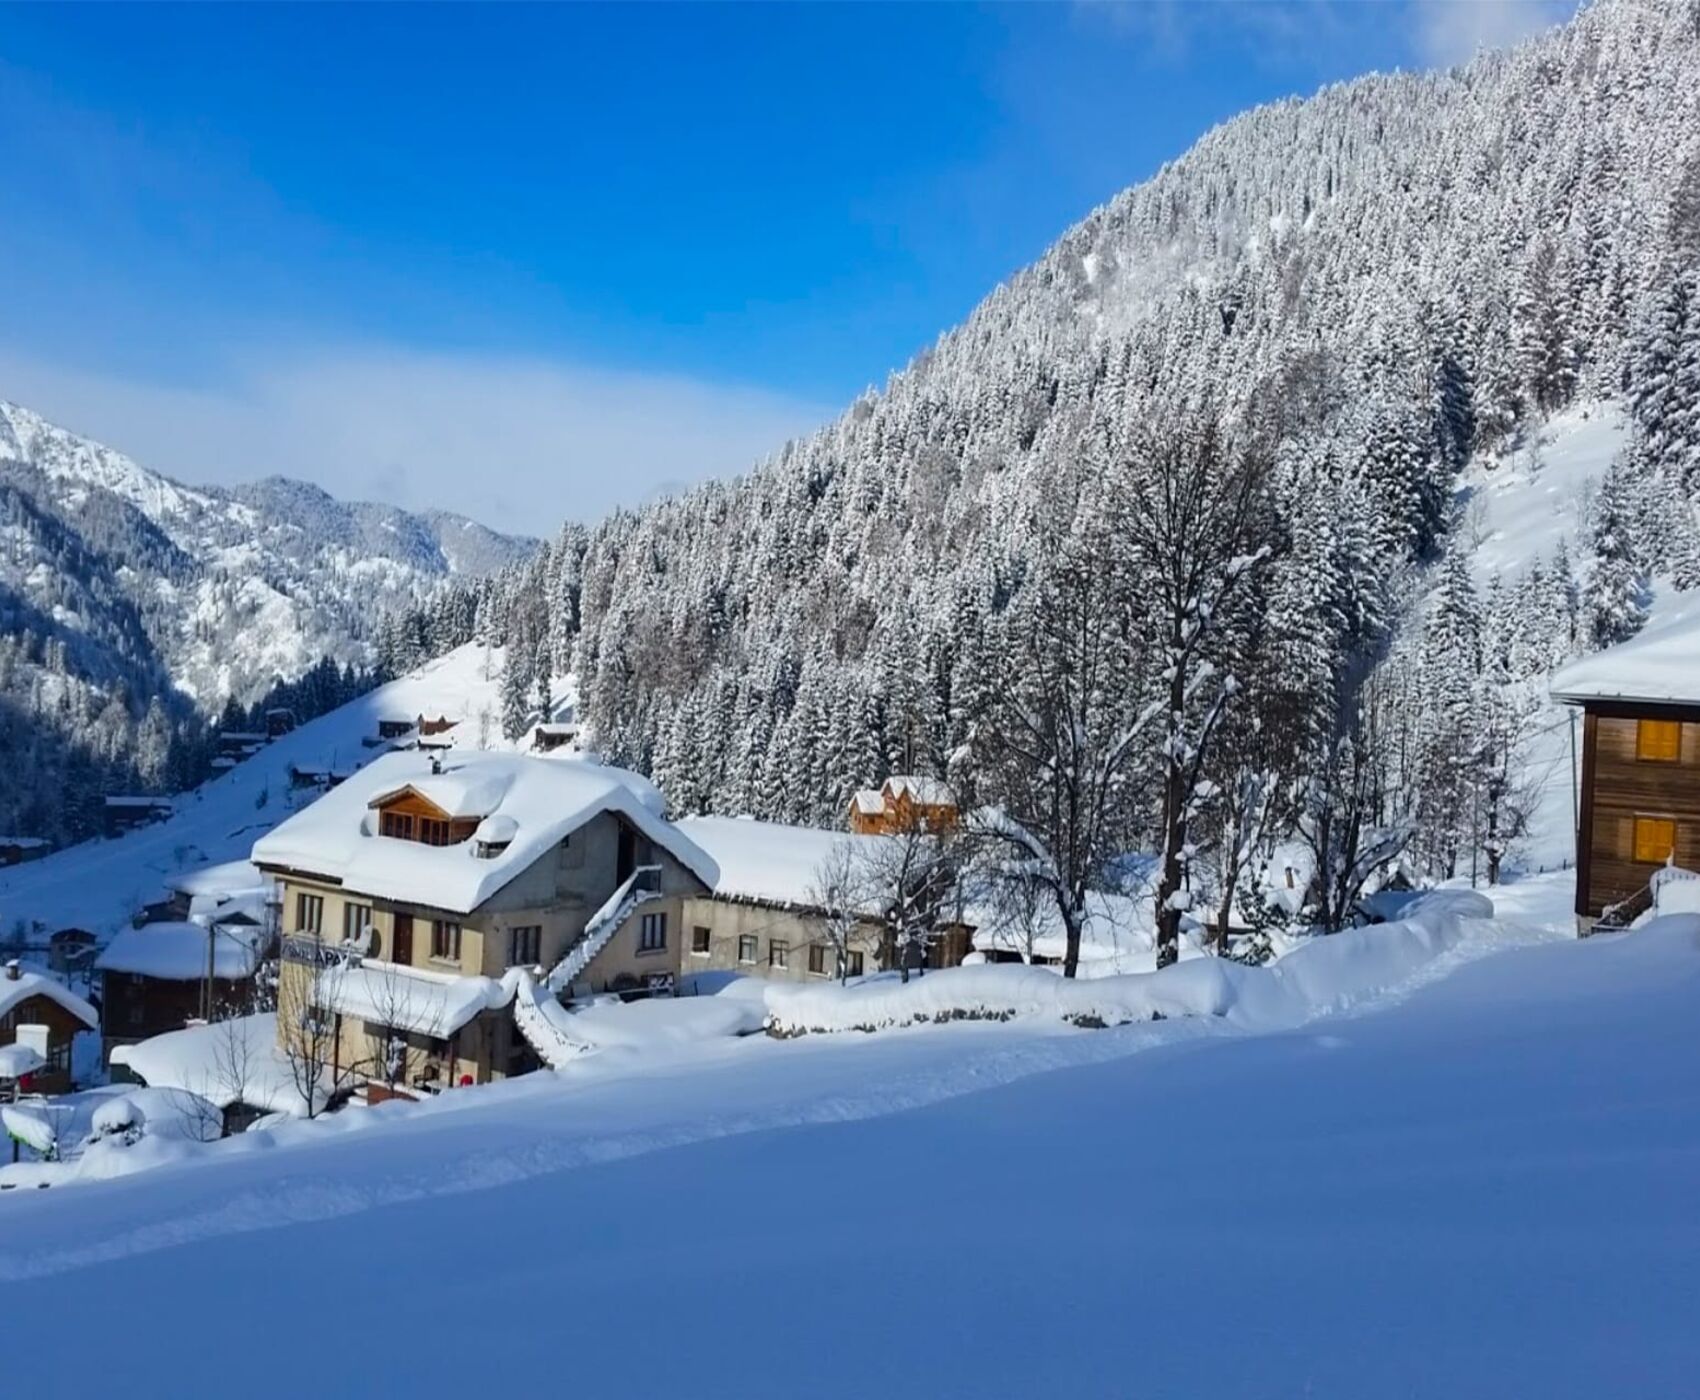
(18, 1060)
(1659, 665)
(14, 991)
(228, 878)
(767, 862)
(130, 800)
(177, 951)
(468, 792)
(565, 729)
(547, 799)
(924, 791)
(497, 829)
(409, 998)
(1117, 925)
(24, 843)
(869, 800)
(225, 1063)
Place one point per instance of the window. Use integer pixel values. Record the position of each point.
(309, 913)
(445, 940)
(1655, 839)
(356, 918)
(652, 933)
(433, 832)
(778, 953)
(525, 946)
(747, 948)
(1658, 740)
(397, 824)
(817, 959)
(699, 941)
(853, 961)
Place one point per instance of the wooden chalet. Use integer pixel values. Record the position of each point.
(121, 812)
(904, 803)
(31, 1000)
(1638, 791)
(14, 850)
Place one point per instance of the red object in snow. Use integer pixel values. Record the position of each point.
(24, 1083)
(466, 1081)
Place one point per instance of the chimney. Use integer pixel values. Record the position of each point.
(13, 971)
(437, 764)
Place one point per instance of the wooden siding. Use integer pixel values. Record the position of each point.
(1618, 787)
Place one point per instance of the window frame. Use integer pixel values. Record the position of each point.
(817, 960)
(350, 926)
(747, 943)
(525, 938)
(306, 901)
(398, 825)
(854, 963)
(702, 940)
(1635, 841)
(1647, 752)
(779, 953)
(652, 932)
(445, 933)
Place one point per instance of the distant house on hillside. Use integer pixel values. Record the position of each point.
(280, 720)
(14, 850)
(122, 811)
(1639, 797)
(36, 1007)
(412, 889)
(546, 738)
(904, 802)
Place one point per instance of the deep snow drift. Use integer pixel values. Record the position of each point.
(1483, 1189)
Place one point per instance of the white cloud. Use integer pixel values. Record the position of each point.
(518, 444)
(1453, 31)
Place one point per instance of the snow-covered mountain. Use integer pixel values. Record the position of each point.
(1385, 287)
(228, 588)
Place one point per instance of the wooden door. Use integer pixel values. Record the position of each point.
(403, 950)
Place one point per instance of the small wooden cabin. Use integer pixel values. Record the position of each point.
(31, 999)
(14, 850)
(904, 803)
(122, 812)
(1638, 799)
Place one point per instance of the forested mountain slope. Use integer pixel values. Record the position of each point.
(1371, 287)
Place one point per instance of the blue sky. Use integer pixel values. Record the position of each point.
(532, 262)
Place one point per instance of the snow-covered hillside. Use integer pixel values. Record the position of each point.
(1480, 1185)
(99, 884)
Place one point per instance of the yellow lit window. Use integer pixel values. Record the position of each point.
(1655, 839)
(1658, 740)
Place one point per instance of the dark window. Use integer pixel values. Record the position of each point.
(699, 940)
(398, 824)
(778, 953)
(309, 913)
(854, 959)
(817, 959)
(445, 940)
(747, 948)
(355, 919)
(525, 946)
(652, 933)
(433, 832)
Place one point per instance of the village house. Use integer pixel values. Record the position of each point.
(1638, 804)
(161, 976)
(766, 914)
(412, 890)
(904, 803)
(15, 850)
(44, 1015)
(549, 736)
(123, 811)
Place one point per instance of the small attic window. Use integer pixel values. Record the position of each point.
(494, 835)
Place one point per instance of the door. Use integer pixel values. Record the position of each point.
(403, 951)
(625, 860)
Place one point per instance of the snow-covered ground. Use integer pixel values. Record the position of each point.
(1477, 1185)
(99, 884)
